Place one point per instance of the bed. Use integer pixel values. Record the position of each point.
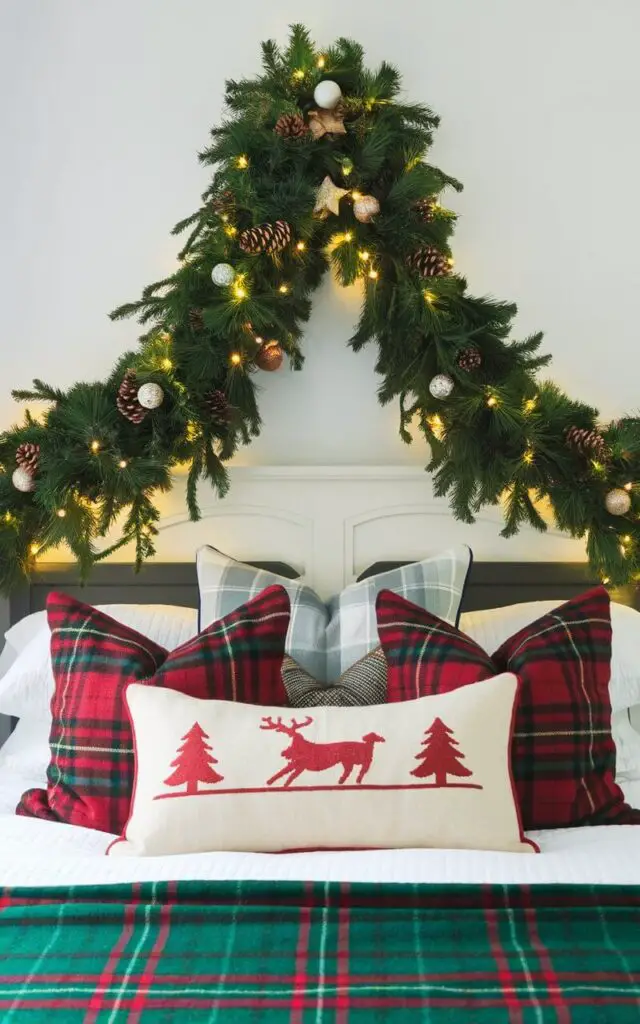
(327, 936)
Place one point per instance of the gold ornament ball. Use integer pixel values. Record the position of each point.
(617, 502)
(270, 357)
(366, 208)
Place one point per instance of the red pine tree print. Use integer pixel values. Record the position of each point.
(193, 762)
(440, 757)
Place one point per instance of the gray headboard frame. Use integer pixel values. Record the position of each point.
(490, 584)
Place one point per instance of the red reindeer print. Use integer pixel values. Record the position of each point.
(305, 756)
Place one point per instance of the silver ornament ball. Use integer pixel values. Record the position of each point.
(223, 275)
(23, 481)
(150, 395)
(617, 502)
(441, 386)
(366, 208)
(327, 94)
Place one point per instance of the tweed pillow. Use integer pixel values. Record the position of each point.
(212, 775)
(224, 584)
(363, 683)
(94, 657)
(563, 753)
(436, 584)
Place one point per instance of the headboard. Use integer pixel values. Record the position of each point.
(490, 584)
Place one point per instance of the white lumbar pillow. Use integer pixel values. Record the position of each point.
(218, 775)
(27, 686)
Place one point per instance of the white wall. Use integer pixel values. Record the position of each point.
(104, 106)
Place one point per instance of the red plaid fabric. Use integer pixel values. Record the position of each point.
(94, 658)
(563, 755)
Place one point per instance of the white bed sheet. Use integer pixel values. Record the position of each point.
(34, 852)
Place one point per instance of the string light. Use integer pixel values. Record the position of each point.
(373, 274)
(598, 467)
(321, 62)
(230, 231)
(235, 358)
(364, 255)
(356, 196)
(239, 291)
(284, 289)
(301, 246)
(436, 426)
(626, 539)
(122, 464)
(243, 161)
(530, 404)
(450, 261)
(492, 401)
(429, 297)
(628, 487)
(95, 447)
(166, 364)
(225, 218)
(347, 167)
(528, 456)
(606, 580)
(34, 548)
(348, 237)
(299, 74)
(8, 518)
(61, 513)
(258, 340)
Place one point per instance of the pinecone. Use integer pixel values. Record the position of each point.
(127, 399)
(470, 359)
(425, 208)
(429, 262)
(217, 406)
(28, 457)
(224, 202)
(587, 442)
(265, 238)
(291, 126)
(196, 320)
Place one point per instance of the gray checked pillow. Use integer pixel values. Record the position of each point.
(363, 683)
(435, 584)
(225, 584)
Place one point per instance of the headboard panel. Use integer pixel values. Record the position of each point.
(490, 585)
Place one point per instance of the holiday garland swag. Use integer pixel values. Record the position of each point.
(319, 164)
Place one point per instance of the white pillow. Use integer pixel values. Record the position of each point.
(220, 775)
(27, 686)
(627, 741)
(492, 627)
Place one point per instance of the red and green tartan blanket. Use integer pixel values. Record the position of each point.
(249, 952)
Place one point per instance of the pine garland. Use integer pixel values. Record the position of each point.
(502, 434)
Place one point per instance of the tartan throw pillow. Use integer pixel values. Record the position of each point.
(213, 775)
(436, 584)
(224, 584)
(563, 754)
(364, 683)
(94, 658)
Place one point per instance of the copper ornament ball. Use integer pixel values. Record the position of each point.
(269, 357)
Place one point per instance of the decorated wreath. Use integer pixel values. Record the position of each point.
(320, 164)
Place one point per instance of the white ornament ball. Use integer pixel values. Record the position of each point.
(23, 481)
(618, 502)
(223, 275)
(366, 208)
(441, 386)
(327, 95)
(150, 396)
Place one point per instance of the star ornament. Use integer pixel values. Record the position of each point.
(326, 122)
(328, 198)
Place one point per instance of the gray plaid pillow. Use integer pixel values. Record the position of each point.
(435, 584)
(225, 584)
(363, 683)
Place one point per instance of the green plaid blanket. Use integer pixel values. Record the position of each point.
(320, 952)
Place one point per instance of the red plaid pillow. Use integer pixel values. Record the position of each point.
(90, 775)
(563, 756)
